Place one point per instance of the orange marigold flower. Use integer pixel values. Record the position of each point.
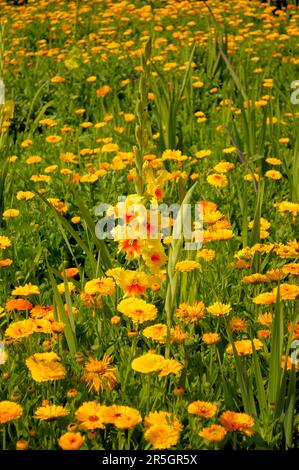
(213, 433)
(18, 304)
(234, 421)
(71, 441)
(204, 409)
(99, 374)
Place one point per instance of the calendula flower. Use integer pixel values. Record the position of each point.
(26, 290)
(58, 205)
(218, 309)
(187, 266)
(100, 374)
(4, 242)
(137, 309)
(9, 411)
(218, 180)
(244, 347)
(190, 313)
(237, 324)
(90, 415)
(11, 213)
(170, 366)
(45, 367)
(18, 304)
(158, 333)
(25, 195)
(211, 338)
(53, 139)
(265, 319)
(123, 417)
(206, 254)
(20, 329)
(213, 433)
(162, 429)
(50, 412)
(233, 421)
(5, 262)
(273, 174)
(266, 298)
(71, 441)
(148, 363)
(204, 409)
(100, 286)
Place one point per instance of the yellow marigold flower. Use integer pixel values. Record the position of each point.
(217, 309)
(53, 139)
(267, 298)
(60, 206)
(25, 195)
(187, 266)
(10, 213)
(287, 206)
(265, 319)
(90, 415)
(206, 254)
(211, 338)
(228, 150)
(204, 409)
(291, 268)
(162, 429)
(275, 274)
(162, 436)
(234, 421)
(71, 441)
(158, 333)
(137, 309)
(39, 178)
(51, 169)
(170, 366)
(45, 367)
(61, 287)
(4, 242)
(91, 79)
(273, 174)
(273, 161)
(123, 417)
(26, 290)
(224, 167)
(100, 286)
(9, 411)
(76, 220)
(221, 234)
(287, 291)
(203, 153)
(89, 178)
(198, 84)
(99, 374)
(33, 159)
(213, 433)
(50, 412)
(238, 325)
(218, 180)
(244, 347)
(255, 278)
(190, 313)
(148, 363)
